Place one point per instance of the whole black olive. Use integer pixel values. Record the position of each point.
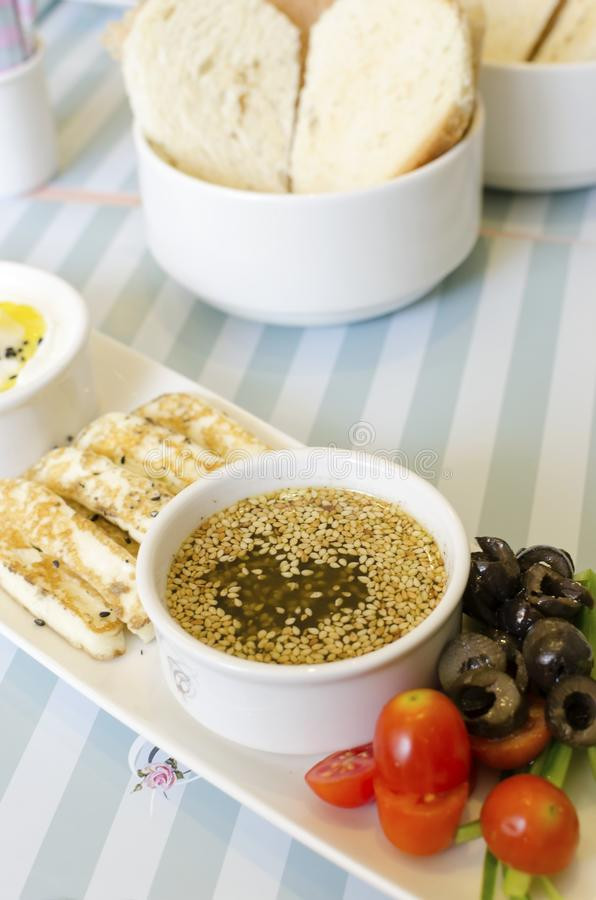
(553, 594)
(489, 702)
(571, 711)
(468, 652)
(494, 577)
(559, 560)
(517, 616)
(553, 649)
(516, 667)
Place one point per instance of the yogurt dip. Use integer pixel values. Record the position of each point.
(25, 338)
(46, 385)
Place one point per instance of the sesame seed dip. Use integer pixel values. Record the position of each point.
(305, 576)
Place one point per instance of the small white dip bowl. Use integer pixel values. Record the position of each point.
(299, 709)
(58, 399)
(316, 259)
(541, 125)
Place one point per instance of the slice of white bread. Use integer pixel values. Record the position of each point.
(214, 85)
(303, 13)
(514, 28)
(389, 86)
(476, 13)
(572, 37)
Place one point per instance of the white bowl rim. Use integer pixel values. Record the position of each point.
(299, 674)
(145, 149)
(541, 68)
(80, 323)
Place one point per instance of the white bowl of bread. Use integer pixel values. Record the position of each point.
(538, 83)
(306, 175)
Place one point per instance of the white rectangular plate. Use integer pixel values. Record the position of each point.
(131, 689)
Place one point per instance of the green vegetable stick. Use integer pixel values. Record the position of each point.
(490, 871)
(549, 889)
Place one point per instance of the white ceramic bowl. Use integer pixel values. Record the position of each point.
(314, 259)
(541, 125)
(299, 709)
(59, 398)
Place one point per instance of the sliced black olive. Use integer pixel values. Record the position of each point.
(490, 703)
(516, 667)
(559, 560)
(494, 577)
(553, 594)
(500, 552)
(517, 616)
(466, 653)
(553, 649)
(571, 711)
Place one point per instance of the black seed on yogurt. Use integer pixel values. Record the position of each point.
(39, 622)
(104, 613)
(56, 563)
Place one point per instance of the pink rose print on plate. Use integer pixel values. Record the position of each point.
(161, 776)
(156, 771)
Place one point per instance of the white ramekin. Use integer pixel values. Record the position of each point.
(28, 146)
(299, 709)
(541, 125)
(314, 259)
(59, 399)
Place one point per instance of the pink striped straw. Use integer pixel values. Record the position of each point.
(17, 35)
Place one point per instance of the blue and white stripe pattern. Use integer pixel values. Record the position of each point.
(488, 385)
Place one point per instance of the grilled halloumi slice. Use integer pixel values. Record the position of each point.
(165, 456)
(122, 497)
(206, 426)
(46, 521)
(59, 598)
(116, 534)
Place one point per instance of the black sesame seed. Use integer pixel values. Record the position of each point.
(94, 517)
(12, 378)
(156, 497)
(127, 540)
(56, 563)
(69, 438)
(39, 622)
(10, 352)
(104, 613)
(122, 460)
(39, 340)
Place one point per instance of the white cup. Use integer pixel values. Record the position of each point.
(28, 149)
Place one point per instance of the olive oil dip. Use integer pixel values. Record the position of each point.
(305, 576)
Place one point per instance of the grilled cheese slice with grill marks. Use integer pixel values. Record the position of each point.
(56, 596)
(167, 457)
(124, 498)
(48, 522)
(208, 427)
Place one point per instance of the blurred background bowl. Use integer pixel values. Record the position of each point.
(541, 125)
(315, 259)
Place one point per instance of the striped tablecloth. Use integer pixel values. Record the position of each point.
(488, 386)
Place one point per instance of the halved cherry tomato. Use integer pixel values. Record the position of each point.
(421, 744)
(344, 778)
(530, 824)
(421, 825)
(517, 749)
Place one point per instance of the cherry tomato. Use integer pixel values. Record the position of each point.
(421, 825)
(421, 745)
(517, 749)
(344, 778)
(530, 824)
